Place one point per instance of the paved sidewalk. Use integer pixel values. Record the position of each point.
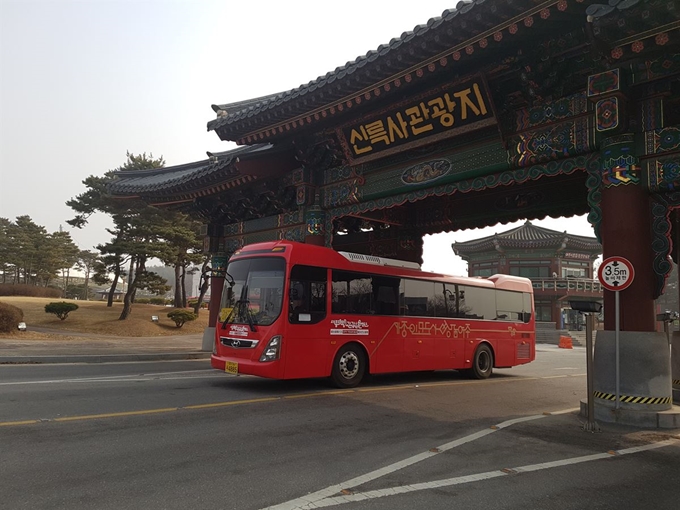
(89, 348)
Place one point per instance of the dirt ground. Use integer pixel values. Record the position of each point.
(95, 317)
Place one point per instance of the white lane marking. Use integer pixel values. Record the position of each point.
(563, 411)
(155, 362)
(211, 373)
(316, 497)
(204, 373)
(459, 480)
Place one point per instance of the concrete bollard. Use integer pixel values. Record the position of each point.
(645, 371)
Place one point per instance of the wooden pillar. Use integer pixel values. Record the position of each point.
(219, 266)
(626, 232)
(626, 226)
(216, 285)
(556, 306)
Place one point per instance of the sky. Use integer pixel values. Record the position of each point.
(82, 82)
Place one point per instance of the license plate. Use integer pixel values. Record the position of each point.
(231, 367)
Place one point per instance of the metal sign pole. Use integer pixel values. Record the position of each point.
(591, 425)
(616, 274)
(588, 308)
(616, 339)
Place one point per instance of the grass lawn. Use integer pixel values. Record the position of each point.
(95, 317)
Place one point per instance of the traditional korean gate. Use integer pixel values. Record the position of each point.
(491, 113)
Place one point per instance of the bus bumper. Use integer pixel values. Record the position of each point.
(241, 366)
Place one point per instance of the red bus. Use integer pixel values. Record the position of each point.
(291, 310)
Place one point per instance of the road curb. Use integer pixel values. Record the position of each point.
(102, 358)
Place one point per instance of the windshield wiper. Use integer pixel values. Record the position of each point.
(237, 305)
(226, 321)
(245, 303)
(249, 314)
(242, 307)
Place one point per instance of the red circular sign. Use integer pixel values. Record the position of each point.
(616, 273)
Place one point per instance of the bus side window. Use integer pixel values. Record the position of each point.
(527, 306)
(477, 302)
(510, 306)
(453, 301)
(386, 294)
(419, 298)
(298, 299)
(307, 295)
(352, 293)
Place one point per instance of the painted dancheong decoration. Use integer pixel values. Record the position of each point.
(425, 172)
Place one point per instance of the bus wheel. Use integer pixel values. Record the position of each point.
(349, 366)
(482, 364)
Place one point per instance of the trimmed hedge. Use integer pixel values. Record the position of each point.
(10, 317)
(21, 289)
(61, 309)
(181, 316)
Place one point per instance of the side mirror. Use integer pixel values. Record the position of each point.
(586, 306)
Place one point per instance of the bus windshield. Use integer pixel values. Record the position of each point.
(255, 295)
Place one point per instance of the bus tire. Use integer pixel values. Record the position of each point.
(349, 366)
(482, 363)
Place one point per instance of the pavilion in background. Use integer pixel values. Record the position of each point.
(559, 264)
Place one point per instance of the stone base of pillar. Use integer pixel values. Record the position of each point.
(675, 365)
(669, 419)
(208, 339)
(645, 384)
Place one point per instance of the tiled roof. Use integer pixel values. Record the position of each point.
(528, 235)
(454, 40)
(245, 109)
(243, 105)
(173, 177)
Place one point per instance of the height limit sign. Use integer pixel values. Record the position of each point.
(616, 273)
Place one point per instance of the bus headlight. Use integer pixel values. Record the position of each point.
(272, 350)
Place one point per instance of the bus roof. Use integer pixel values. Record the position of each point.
(312, 255)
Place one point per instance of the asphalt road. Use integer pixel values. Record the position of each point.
(177, 435)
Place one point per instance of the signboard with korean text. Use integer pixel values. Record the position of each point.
(422, 119)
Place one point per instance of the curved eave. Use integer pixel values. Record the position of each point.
(594, 248)
(221, 171)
